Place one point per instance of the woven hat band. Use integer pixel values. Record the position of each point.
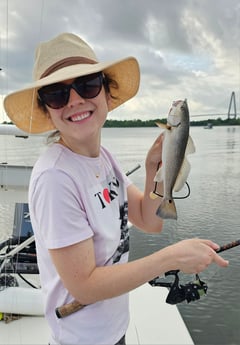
(67, 62)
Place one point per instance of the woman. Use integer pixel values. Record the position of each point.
(80, 200)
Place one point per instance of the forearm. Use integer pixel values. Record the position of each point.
(111, 281)
(142, 209)
(88, 283)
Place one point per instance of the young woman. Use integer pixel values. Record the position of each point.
(80, 200)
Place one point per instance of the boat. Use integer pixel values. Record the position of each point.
(209, 125)
(153, 321)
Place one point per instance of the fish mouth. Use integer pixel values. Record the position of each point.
(80, 116)
(175, 103)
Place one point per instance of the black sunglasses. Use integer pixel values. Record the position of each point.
(57, 95)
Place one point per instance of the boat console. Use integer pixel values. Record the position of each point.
(18, 253)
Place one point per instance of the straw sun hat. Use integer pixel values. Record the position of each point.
(67, 56)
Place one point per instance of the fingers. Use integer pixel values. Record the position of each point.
(216, 257)
(211, 257)
(220, 261)
(159, 138)
(154, 155)
(195, 255)
(159, 141)
(211, 244)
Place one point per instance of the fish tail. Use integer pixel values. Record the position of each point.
(167, 209)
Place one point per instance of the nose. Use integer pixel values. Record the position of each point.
(75, 98)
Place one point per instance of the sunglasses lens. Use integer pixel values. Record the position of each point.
(56, 95)
(89, 86)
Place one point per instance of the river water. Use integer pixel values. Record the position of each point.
(211, 211)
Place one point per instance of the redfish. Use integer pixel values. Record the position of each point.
(175, 168)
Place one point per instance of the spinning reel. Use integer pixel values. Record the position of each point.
(178, 293)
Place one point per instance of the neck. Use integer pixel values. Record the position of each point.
(89, 151)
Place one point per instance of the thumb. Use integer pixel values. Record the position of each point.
(220, 261)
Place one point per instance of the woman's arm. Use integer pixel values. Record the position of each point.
(88, 284)
(141, 208)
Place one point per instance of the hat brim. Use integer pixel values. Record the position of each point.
(22, 106)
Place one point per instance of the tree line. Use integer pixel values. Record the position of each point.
(152, 123)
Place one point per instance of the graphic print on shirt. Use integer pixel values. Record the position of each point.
(105, 197)
(124, 240)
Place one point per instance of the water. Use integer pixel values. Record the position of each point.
(212, 211)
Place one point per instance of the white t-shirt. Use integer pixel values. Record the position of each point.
(73, 198)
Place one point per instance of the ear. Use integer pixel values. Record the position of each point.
(108, 99)
(48, 114)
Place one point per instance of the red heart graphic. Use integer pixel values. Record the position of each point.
(106, 195)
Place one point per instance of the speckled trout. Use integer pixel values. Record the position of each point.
(175, 167)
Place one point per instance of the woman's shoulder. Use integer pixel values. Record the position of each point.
(49, 157)
(106, 154)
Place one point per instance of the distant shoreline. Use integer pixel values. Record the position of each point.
(152, 123)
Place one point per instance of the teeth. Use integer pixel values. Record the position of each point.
(80, 117)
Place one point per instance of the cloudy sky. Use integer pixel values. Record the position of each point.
(185, 48)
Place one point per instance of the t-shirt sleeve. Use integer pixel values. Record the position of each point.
(58, 210)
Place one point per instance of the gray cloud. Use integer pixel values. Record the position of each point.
(185, 48)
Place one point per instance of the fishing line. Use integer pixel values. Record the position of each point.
(34, 90)
(7, 20)
(175, 197)
(4, 73)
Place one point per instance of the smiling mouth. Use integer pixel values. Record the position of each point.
(80, 117)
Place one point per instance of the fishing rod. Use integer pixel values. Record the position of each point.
(228, 246)
(133, 170)
(178, 293)
(191, 291)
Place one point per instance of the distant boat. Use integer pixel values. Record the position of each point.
(208, 126)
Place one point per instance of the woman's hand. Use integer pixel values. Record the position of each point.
(195, 255)
(142, 208)
(154, 156)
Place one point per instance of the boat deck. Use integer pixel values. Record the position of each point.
(152, 322)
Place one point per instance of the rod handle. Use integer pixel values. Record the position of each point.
(68, 309)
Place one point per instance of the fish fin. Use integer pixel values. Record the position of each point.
(190, 148)
(185, 168)
(167, 209)
(182, 175)
(159, 175)
(162, 125)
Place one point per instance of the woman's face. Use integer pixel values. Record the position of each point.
(80, 121)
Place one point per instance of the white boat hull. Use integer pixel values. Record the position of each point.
(21, 300)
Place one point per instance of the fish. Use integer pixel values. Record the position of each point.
(175, 168)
